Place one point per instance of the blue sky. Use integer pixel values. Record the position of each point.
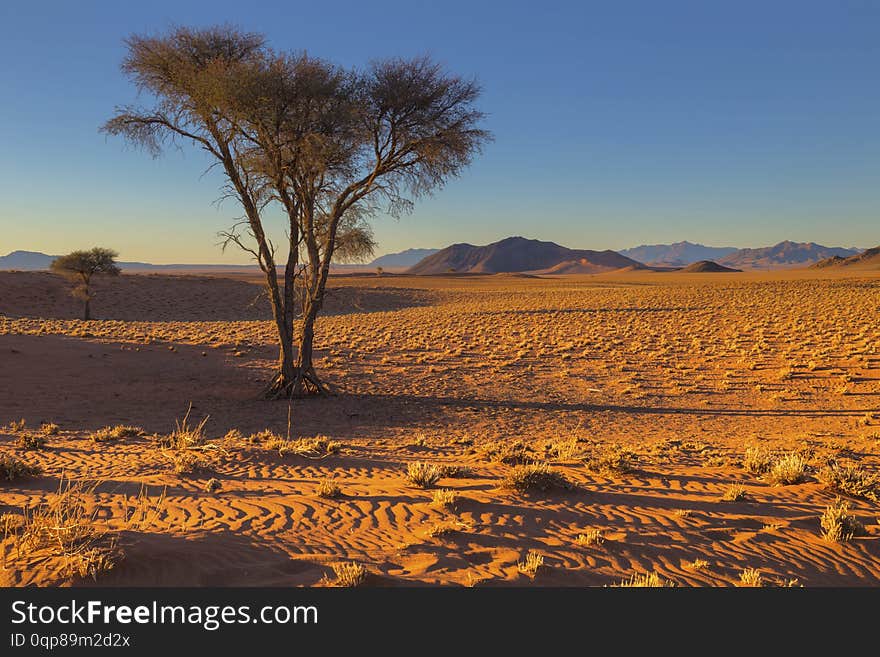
(616, 123)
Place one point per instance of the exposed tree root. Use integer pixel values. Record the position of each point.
(304, 383)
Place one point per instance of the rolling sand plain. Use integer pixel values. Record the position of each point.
(690, 429)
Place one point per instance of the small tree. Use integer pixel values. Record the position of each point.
(379, 271)
(329, 146)
(80, 266)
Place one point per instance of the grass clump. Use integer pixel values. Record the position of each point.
(12, 468)
(531, 564)
(509, 453)
(536, 476)
(49, 429)
(590, 537)
(31, 441)
(734, 493)
(329, 489)
(448, 527)
(850, 479)
(109, 434)
(788, 469)
(213, 485)
(311, 448)
(646, 580)
(838, 525)
(758, 460)
(63, 528)
(423, 475)
(444, 499)
(347, 574)
(612, 460)
(751, 578)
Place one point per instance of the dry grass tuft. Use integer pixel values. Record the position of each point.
(734, 493)
(213, 485)
(851, 479)
(311, 448)
(49, 429)
(347, 574)
(758, 460)
(445, 499)
(646, 580)
(532, 563)
(751, 578)
(329, 489)
(590, 537)
(611, 460)
(510, 453)
(423, 475)
(537, 476)
(108, 434)
(12, 468)
(791, 468)
(448, 527)
(31, 441)
(838, 525)
(63, 528)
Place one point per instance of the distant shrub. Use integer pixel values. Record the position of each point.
(611, 460)
(536, 476)
(423, 475)
(29, 441)
(348, 574)
(838, 525)
(751, 577)
(329, 489)
(851, 480)
(12, 468)
(531, 564)
(646, 580)
(107, 434)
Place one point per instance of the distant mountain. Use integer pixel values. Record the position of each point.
(403, 259)
(677, 254)
(783, 255)
(518, 254)
(707, 267)
(26, 260)
(868, 259)
(34, 260)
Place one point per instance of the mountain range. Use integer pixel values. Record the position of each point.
(678, 254)
(518, 254)
(868, 259)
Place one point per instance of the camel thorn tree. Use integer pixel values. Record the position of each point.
(329, 146)
(80, 266)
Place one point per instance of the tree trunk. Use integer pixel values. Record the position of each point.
(86, 313)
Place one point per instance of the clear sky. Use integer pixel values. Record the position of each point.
(617, 123)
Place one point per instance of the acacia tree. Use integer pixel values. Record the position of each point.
(80, 266)
(330, 146)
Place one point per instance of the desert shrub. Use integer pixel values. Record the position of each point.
(751, 577)
(185, 436)
(788, 469)
(734, 493)
(329, 489)
(29, 441)
(16, 425)
(646, 580)
(697, 565)
(49, 429)
(610, 460)
(444, 498)
(448, 527)
(423, 475)
(590, 537)
(838, 525)
(107, 434)
(187, 462)
(12, 468)
(510, 453)
(758, 460)
(453, 471)
(310, 448)
(348, 574)
(212, 485)
(64, 528)
(563, 449)
(851, 480)
(536, 476)
(530, 565)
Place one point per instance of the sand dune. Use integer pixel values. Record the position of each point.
(679, 373)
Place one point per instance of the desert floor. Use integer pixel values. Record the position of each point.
(652, 396)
